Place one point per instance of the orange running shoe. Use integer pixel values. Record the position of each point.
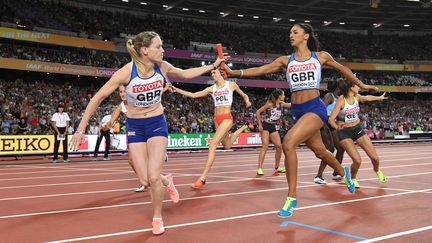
(198, 184)
(158, 226)
(171, 189)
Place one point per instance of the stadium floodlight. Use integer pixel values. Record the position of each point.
(426, 3)
(325, 23)
(375, 3)
(376, 25)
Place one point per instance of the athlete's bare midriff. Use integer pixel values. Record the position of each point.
(220, 110)
(300, 97)
(348, 124)
(138, 112)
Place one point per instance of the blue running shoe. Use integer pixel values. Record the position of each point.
(348, 181)
(288, 208)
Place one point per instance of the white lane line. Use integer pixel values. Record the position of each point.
(50, 177)
(67, 183)
(306, 174)
(233, 218)
(309, 155)
(211, 175)
(385, 237)
(65, 169)
(215, 167)
(140, 203)
(190, 198)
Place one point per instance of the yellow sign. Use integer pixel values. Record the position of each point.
(405, 89)
(55, 39)
(27, 144)
(388, 67)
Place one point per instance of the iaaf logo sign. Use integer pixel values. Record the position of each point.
(196, 55)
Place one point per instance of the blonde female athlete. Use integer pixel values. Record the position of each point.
(222, 93)
(304, 76)
(147, 130)
(122, 108)
(273, 109)
(350, 130)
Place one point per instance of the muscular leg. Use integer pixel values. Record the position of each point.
(329, 144)
(157, 146)
(370, 150)
(317, 146)
(228, 141)
(350, 148)
(339, 149)
(132, 164)
(264, 148)
(221, 132)
(275, 139)
(308, 125)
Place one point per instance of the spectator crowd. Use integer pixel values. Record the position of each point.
(27, 109)
(179, 32)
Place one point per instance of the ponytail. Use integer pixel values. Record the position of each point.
(312, 43)
(344, 86)
(274, 96)
(134, 46)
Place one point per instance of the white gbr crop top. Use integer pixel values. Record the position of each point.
(222, 96)
(304, 75)
(145, 92)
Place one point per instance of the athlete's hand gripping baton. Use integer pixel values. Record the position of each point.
(221, 55)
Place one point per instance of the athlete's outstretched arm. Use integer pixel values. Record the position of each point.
(363, 98)
(273, 67)
(328, 60)
(191, 72)
(198, 94)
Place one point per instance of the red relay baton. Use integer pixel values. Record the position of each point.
(220, 55)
